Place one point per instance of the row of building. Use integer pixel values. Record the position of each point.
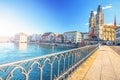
(98, 31)
(50, 37)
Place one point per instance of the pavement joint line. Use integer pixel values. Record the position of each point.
(82, 70)
(111, 61)
(115, 53)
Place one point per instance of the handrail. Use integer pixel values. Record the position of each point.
(53, 54)
(65, 60)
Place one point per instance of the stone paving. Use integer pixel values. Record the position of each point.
(116, 49)
(82, 70)
(104, 64)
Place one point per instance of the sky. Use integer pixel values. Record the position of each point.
(58, 16)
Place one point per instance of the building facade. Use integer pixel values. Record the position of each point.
(36, 38)
(99, 23)
(48, 37)
(59, 38)
(117, 36)
(109, 33)
(102, 31)
(21, 38)
(85, 36)
(91, 22)
(72, 37)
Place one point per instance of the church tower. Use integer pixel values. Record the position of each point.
(91, 21)
(99, 23)
(92, 34)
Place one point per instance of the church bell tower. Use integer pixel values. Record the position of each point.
(91, 21)
(99, 23)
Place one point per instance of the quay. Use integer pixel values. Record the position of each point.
(104, 64)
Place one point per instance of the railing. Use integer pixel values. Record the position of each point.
(57, 66)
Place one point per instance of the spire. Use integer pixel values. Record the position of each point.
(92, 14)
(92, 20)
(99, 17)
(115, 21)
(99, 8)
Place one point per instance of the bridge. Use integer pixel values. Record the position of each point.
(104, 64)
(57, 66)
(86, 63)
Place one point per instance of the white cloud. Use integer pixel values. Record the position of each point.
(95, 12)
(109, 24)
(87, 24)
(107, 7)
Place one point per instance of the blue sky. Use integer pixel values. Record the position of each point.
(39, 16)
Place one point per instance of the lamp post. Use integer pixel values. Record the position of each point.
(99, 45)
(98, 42)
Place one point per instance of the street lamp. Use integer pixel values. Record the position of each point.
(98, 42)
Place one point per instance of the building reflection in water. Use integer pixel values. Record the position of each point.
(53, 47)
(22, 46)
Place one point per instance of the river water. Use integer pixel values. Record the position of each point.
(11, 52)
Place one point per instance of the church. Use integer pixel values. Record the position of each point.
(99, 30)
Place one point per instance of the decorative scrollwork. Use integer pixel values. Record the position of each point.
(70, 60)
(10, 75)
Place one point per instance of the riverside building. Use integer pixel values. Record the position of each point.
(21, 38)
(72, 37)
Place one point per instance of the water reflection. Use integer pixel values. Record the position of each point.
(22, 46)
(18, 51)
(53, 48)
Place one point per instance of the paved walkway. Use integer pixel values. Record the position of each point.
(104, 64)
(116, 49)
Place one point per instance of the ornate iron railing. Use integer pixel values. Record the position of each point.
(57, 66)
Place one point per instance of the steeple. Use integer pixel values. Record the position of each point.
(115, 21)
(92, 14)
(92, 20)
(99, 9)
(99, 16)
(99, 22)
(92, 25)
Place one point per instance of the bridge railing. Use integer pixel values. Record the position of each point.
(57, 66)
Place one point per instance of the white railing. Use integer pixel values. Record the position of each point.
(55, 66)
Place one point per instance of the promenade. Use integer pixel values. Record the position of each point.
(104, 64)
